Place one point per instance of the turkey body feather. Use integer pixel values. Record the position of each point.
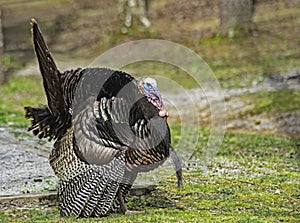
(106, 132)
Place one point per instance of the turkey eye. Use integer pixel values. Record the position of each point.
(148, 86)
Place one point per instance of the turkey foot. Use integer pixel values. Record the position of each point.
(123, 205)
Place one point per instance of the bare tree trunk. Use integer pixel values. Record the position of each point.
(2, 78)
(236, 17)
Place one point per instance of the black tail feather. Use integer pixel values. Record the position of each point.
(52, 121)
(42, 122)
(51, 75)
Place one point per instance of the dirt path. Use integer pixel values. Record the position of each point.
(275, 122)
(24, 163)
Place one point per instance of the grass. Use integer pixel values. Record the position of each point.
(17, 93)
(283, 100)
(253, 178)
(273, 103)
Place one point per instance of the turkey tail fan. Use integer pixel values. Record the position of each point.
(50, 73)
(51, 80)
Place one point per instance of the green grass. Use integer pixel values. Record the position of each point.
(15, 94)
(252, 178)
(283, 100)
(148, 68)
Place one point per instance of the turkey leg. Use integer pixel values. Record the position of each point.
(123, 205)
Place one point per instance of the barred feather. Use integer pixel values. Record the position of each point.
(85, 190)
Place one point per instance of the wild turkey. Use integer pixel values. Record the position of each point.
(108, 127)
